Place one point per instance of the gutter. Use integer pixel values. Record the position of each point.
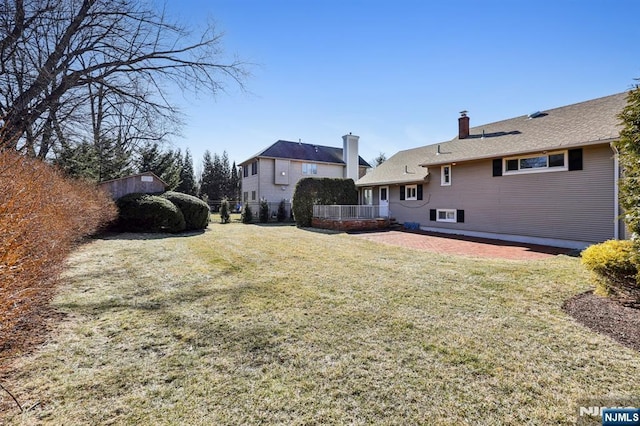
(393, 182)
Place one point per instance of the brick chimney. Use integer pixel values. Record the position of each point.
(463, 125)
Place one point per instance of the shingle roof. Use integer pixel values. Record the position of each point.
(581, 124)
(402, 167)
(585, 123)
(135, 176)
(305, 152)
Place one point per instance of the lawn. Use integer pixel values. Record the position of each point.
(248, 324)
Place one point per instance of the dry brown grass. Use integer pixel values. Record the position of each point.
(248, 324)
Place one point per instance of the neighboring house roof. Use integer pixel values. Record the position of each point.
(585, 123)
(304, 152)
(134, 176)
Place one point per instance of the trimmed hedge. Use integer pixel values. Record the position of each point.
(149, 213)
(614, 270)
(195, 211)
(324, 191)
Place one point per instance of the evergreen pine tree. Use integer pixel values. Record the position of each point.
(164, 164)
(207, 180)
(234, 183)
(97, 162)
(629, 155)
(187, 176)
(225, 176)
(264, 211)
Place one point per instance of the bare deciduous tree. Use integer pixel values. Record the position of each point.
(62, 61)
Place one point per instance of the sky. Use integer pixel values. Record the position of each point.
(398, 73)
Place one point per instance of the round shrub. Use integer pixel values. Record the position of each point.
(614, 270)
(149, 213)
(194, 210)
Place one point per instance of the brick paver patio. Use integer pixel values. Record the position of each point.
(468, 246)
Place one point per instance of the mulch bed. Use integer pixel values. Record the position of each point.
(605, 316)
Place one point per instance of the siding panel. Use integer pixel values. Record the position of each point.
(569, 205)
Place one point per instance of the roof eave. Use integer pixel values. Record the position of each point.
(392, 182)
(521, 152)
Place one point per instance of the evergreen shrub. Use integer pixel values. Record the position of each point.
(247, 214)
(282, 211)
(323, 191)
(149, 213)
(195, 211)
(225, 217)
(614, 270)
(264, 211)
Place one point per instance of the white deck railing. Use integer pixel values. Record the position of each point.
(348, 212)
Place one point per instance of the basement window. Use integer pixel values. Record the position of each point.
(551, 162)
(446, 215)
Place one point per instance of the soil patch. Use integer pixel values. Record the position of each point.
(607, 317)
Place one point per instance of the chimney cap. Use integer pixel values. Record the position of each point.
(463, 113)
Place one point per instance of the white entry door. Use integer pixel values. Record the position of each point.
(384, 201)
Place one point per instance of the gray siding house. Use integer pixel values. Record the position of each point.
(273, 173)
(550, 177)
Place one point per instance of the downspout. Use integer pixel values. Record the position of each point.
(616, 189)
(258, 198)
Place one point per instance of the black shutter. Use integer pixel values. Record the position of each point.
(432, 215)
(575, 159)
(497, 167)
(419, 192)
(460, 216)
(402, 190)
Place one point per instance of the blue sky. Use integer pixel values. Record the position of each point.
(397, 73)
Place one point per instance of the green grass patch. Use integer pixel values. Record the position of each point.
(248, 324)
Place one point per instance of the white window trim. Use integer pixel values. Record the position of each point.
(455, 215)
(537, 169)
(442, 179)
(407, 190)
(367, 196)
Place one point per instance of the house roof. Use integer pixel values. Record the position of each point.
(134, 176)
(403, 167)
(585, 123)
(305, 152)
(582, 124)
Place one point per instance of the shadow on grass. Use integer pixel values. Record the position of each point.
(113, 235)
(322, 231)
